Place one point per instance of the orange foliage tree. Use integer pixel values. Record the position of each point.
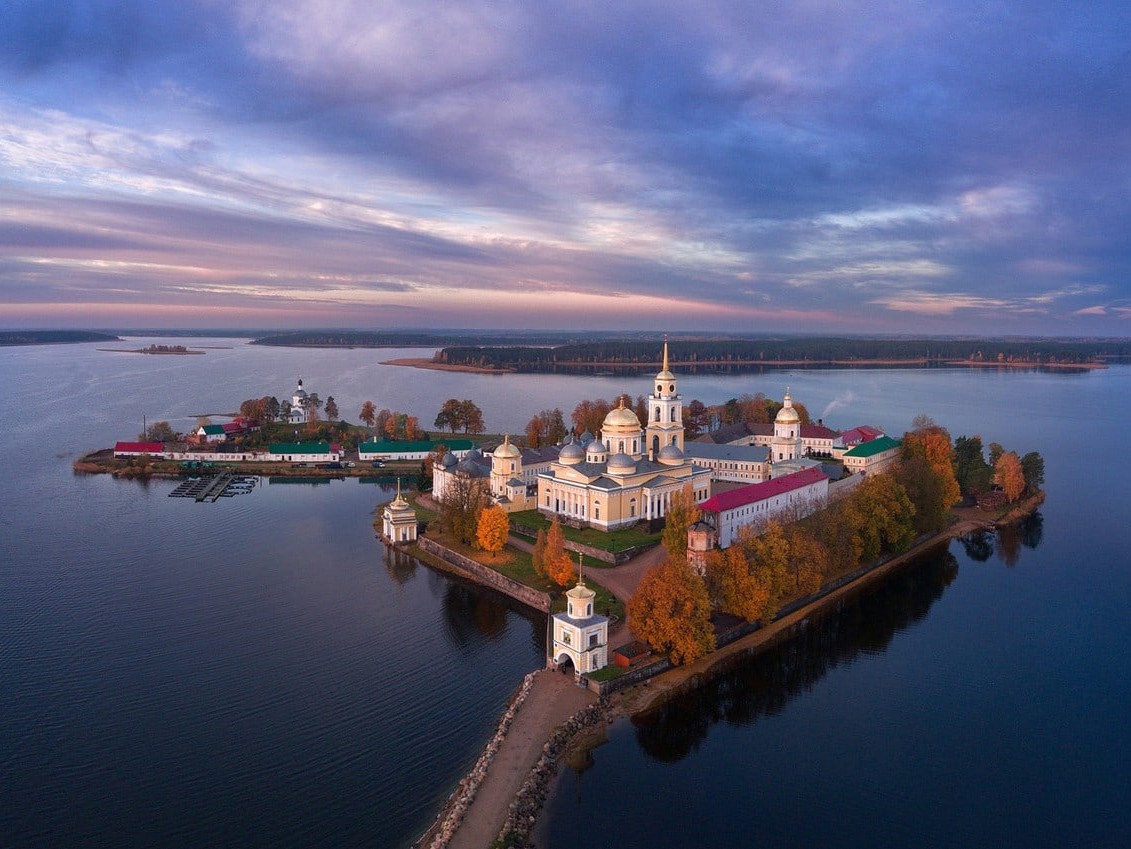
(671, 612)
(538, 555)
(555, 559)
(492, 528)
(933, 442)
(1010, 475)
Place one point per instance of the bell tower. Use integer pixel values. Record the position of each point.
(665, 412)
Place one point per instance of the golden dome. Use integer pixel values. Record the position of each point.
(787, 415)
(506, 451)
(620, 419)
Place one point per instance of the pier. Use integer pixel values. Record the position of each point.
(212, 489)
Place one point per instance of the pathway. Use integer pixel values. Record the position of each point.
(552, 700)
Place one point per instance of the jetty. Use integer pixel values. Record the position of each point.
(223, 485)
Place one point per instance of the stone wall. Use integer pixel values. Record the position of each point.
(487, 576)
(613, 557)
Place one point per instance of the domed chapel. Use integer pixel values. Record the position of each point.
(629, 471)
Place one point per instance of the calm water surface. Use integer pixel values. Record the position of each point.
(259, 672)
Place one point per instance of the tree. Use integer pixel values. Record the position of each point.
(1010, 475)
(995, 452)
(560, 569)
(381, 422)
(285, 410)
(971, 470)
(555, 559)
(412, 428)
(887, 511)
(313, 405)
(273, 409)
(459, 509)
(925, 489)
(535, 433)
(492, 529)
(538, 556)
(158, 432)
(696, 419)
(671, 611)
(934, 444)
(368, 413)
(331, 408)
(449, 416)
(471, 417)
(1033, 467)
(681, 514)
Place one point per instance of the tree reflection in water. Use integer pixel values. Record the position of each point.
(762, 686)
(1007, 541)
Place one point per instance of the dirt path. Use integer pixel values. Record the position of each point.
(552, 700)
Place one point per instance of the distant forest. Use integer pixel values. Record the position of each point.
(724, 353)
(421, 338)
(52, 337)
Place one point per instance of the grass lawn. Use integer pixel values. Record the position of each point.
(517, 565)
(612, 541)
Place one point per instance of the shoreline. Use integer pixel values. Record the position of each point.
(425, 363)
(650, 694)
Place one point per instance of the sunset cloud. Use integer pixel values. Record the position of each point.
(874, 167)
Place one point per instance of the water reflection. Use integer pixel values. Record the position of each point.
(400, 565)
(764, 685)
(1006, 543)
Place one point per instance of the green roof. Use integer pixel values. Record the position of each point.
(389, 446)
(873, 447)
(214, 430)
(299, 447)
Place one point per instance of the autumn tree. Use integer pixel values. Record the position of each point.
(933, 499)
(555, 559)
(1010, 475)
(412, 428)
(671, 612)
(538, 555)
(808, 561)
(471, 417)
(681, 514)
(491, 529)
(449, 416)
(368, 413)
(331, 408)
(535, 433)
(381, 421)
(546, 428)
(887, 514)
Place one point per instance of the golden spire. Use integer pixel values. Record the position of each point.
(665, 368)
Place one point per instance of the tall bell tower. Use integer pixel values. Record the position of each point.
(665, 412)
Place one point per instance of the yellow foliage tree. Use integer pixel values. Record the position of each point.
(681, 514)
(671, 611)
(1010, 475)
(491, 529)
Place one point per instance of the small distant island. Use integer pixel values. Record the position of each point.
(53, 337)
(173, 350)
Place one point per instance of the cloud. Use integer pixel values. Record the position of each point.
(754, 167)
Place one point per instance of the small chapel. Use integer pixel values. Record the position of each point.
(580, 635)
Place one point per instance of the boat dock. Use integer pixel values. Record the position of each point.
(224, 485)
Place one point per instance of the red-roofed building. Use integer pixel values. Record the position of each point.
(138, 449)
(799, 494)
(857, 435)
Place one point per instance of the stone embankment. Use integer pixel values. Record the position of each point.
(485, 575)
(522, 815)
(451, 817)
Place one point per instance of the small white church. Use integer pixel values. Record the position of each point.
(580, 635)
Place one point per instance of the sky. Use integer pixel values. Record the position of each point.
(803, 167)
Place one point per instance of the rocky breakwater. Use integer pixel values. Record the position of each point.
(440, 834)
(522, 815)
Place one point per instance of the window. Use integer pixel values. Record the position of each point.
(565, 635)
(592, 640)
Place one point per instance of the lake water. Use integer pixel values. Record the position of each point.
(260, 672)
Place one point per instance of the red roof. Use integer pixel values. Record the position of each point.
(761, 491)
(818, 431)
(863, 433)
(139, 447)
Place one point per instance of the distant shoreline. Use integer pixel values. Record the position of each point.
(154, 353)
(415, 362)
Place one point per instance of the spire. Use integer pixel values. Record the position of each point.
(580, 574)
(665, 354)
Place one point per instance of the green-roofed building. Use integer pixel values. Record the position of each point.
(403, 449)
(872, 457)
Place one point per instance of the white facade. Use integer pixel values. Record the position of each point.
(798, 494)
(398, 520)
(581, 636)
